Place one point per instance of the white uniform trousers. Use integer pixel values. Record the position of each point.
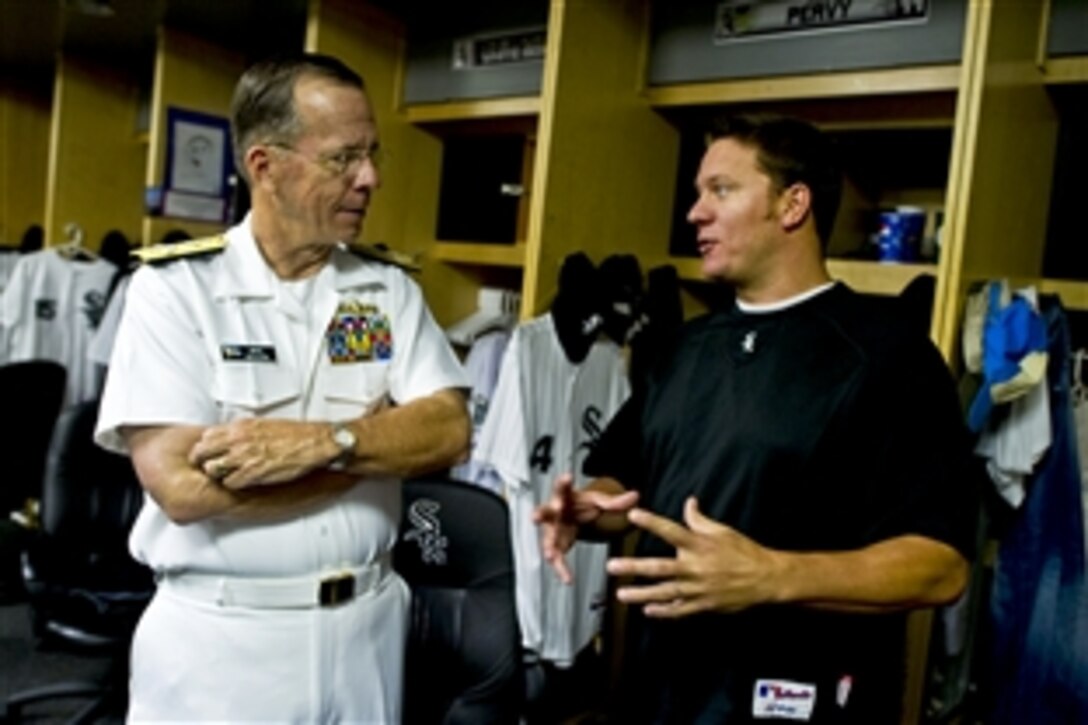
(196, 661)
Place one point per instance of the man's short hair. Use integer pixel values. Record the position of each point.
(263, 107)
(791, 151)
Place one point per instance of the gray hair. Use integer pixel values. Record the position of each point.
(263, 106)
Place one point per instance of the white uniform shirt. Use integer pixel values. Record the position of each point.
(544, 418)
(51, 308)
(211, 339)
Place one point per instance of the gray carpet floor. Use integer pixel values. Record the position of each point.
(26, 663)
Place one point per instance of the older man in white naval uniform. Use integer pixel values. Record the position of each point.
(272, 388)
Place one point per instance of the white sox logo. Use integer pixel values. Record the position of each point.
(94, 306)
(427, 531)
(591, 426)
(541, 456)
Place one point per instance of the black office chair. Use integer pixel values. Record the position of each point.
(463, 660)
(33, 391)
(85, 590)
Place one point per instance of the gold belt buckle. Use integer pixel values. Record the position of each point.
(337, 589)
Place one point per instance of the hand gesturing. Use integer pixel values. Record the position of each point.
(716, 568)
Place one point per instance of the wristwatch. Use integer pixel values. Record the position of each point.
(345, 439)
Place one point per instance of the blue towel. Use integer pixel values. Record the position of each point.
(1013, 340)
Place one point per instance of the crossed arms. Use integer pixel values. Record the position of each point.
(278, 467)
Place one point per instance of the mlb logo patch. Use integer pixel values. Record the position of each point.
(783, 700)
(359, 332)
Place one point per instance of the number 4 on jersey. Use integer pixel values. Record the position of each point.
(541, 457)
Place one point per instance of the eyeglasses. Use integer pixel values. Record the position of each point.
(346, 162)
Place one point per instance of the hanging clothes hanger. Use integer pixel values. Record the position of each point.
(496, 309)
(73, 249)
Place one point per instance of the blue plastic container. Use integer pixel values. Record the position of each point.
(900, 236)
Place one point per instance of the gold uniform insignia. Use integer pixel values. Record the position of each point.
(161, 253)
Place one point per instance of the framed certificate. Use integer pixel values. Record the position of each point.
(198, 165)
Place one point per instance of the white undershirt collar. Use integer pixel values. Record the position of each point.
(750, 308)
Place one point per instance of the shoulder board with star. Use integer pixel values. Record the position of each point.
(164, 253)
(382, 253)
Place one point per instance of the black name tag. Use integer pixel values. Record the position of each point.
(248, 353)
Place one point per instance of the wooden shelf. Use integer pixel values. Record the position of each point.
(828, 85)
(687, 268)
(476, 253)
(1073, 293)
(474, 109)
(877, 277)
(1072, 69)
(155, 227)
(863, 276)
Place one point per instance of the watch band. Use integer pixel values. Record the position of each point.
(345, 439)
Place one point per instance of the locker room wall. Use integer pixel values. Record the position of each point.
(25, 111)
(96, 162)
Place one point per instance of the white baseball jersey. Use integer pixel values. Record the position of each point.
(545, 417)
(8, 258)
(101, 346)
(50, 309)
(482, 366)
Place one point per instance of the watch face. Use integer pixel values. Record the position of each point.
(344, 438)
